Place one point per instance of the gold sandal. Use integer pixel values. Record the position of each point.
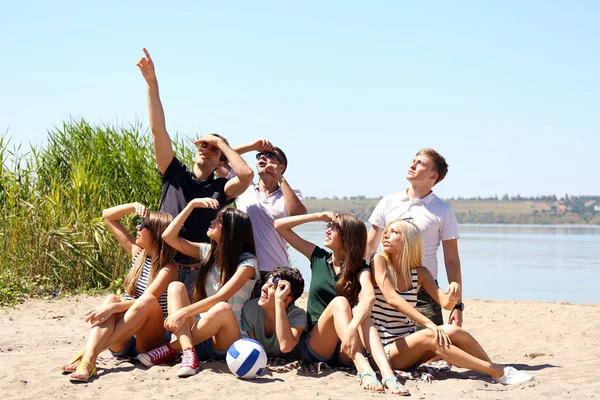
(65, 371)
(80, 367)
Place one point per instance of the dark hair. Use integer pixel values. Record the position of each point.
(354, 243)
(156, 224)
(294, 277)
(222, 158)
(439, 162)
(236, 238)
(282, 157)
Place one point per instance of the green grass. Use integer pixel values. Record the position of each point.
(51, 200)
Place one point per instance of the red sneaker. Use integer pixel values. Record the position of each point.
(189, 363)
(159, 355)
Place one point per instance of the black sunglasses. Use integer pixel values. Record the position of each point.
(408, 219)
(144, 224)
(274, 280)
(269, 155)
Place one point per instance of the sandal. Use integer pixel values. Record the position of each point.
(361, 375)
(402, 390)
(77, 358)
(80, 371)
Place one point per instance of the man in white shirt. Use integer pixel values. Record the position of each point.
(419, 205)
(269, 199)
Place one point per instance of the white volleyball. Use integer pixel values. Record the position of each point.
(246, 358)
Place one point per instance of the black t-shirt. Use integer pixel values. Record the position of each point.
(179, 187)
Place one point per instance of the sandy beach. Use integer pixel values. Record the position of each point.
(559, 343)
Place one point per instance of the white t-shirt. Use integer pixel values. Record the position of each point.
(434, 217)
(212, 285)
(263, 210)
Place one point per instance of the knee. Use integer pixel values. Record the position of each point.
(111, 298)
(451, 330)
(341, 304)
(176, 288)
(144, 302)
(219, 308)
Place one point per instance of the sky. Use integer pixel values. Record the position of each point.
(507, 91)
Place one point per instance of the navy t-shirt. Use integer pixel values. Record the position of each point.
(179, 187)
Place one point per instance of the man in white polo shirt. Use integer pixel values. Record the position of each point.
(269, 199)
(419, 205)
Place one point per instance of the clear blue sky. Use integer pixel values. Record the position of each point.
(508, 91)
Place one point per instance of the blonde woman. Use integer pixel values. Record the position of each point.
(399, 273)
(135, 324)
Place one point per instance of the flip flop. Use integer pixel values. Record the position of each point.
(402, 390)
(78, 357)
(379, 389)
(79, 367)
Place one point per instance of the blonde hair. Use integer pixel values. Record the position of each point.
(408, 258)
(156, 223)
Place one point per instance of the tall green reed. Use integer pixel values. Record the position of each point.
(51, 201)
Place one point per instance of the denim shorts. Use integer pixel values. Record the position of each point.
(131, 351)
(309, 356)
(206, 351)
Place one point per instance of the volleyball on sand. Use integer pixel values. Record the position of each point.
(246, 358)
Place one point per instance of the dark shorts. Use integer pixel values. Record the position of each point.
(206, 351)
(427, 306)
(309, 356)
(131, 351)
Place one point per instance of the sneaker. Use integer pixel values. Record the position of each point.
(189, 363)
(159, 355)
(513, 377)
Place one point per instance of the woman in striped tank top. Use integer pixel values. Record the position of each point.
(136, 323)
(398, 274)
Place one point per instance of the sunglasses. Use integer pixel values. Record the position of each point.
(274, 280)
(144, 224)
(269, 155)
(209, 147)
(334, 226)
(409, 219)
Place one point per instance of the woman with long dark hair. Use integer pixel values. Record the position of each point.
(340, 298)
(227, 274)
(136, 323)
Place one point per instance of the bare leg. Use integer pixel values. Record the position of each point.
(463, 340)
(372, 342)
(144, 317)
(421, 346)
(331, 326)
(219, 323)
(178, 299)
(99, 333)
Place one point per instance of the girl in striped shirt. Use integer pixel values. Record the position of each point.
(399, 272)
(136, 323)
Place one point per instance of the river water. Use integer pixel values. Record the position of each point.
(512, 262)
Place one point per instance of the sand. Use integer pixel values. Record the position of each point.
(559, 343)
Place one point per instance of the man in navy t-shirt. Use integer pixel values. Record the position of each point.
(180, 185)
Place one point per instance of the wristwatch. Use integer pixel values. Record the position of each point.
(459, 306)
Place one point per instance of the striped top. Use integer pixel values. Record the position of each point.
(390, 323)
(142, 285)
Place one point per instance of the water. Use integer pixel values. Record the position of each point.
(512, 262)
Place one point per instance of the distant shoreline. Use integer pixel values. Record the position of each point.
(569, 211)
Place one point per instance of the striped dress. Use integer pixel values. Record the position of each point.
(142, 285)
(390, 323)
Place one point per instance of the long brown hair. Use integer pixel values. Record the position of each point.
(156, 223)
(236, 238)
(354, 243)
